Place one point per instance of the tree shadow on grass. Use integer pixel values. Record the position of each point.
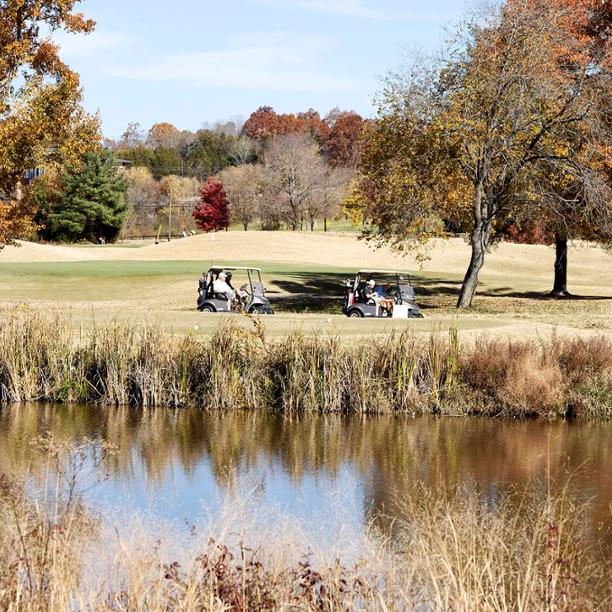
(323, 291)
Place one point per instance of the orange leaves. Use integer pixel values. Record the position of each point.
(343, 139)
(337, 134)
(20, 43)
(15, 220)
(164, 135)
(77, 22)
(46, 60)
(42, 121)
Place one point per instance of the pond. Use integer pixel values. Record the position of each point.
(180, 465)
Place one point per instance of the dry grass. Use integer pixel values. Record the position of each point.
(454, 550)
(124, 364)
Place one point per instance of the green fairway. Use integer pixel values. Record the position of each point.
(105, 281)
(96, 287)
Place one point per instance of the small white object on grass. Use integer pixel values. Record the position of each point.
(196, 327)
(329, 320)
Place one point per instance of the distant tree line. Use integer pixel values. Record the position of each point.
(277, 170)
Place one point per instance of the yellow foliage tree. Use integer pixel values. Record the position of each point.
(472, 136)
(41, 118)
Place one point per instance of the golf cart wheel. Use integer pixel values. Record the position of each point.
(207, 308)
(355, 314)
(262, 310)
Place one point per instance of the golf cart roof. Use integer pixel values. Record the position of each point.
(221, 268)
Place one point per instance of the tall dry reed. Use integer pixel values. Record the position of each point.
(142, 365)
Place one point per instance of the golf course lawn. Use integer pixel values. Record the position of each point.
(304, 276)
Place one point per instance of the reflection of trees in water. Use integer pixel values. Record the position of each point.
(390, 453)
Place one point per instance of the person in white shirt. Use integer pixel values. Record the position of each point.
(221, 288)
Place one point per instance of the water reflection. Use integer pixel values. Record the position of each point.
(178, 451)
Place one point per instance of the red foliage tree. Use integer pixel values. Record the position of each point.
(265, 123)
(212, 214)
(316, 126)
(343, 139)
(262, 124)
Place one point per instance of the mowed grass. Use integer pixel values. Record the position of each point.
(306, 299)
(125, 280)
(160, 283)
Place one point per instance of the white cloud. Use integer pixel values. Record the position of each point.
(281, 62)
(86, 46)
(349, 8)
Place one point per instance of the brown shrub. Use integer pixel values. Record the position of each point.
(520, 377)
(580, 359)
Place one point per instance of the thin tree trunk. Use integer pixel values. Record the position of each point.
(560, 284)
(324, 224)
(312, 224)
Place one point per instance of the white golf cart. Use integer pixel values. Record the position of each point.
(380, 294)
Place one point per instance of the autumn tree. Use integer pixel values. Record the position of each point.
(342, 140)
(245, 186)
(314, 125)
(41, 119)
(575, 202)
(261, 124)
(145, 200)
(495, 115)
(177, 197)
(163, 135)
(294, 168)
(242, 151)
(325, 201)
(212, 214)
(132, 137)
(265, 124)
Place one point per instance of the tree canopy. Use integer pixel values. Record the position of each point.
(212, 214)
(92, 202)
(473, 137)
(41, 118)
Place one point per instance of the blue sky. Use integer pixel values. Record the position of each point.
(195, 61)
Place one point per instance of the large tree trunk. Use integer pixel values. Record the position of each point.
(478, 242)
(560, 285)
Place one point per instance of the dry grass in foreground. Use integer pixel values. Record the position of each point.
(454, 551)
(124, 364)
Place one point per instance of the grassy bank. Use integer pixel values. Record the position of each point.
(454, 550)
(41, 359)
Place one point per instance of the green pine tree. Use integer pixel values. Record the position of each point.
(93, 203)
